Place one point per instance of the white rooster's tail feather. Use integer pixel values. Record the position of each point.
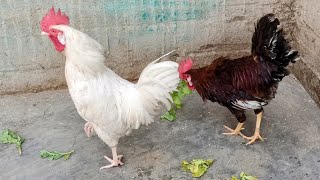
(156, 82)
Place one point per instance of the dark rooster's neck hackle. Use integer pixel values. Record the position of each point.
(200, 81)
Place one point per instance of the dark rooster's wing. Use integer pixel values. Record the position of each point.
(239, 83)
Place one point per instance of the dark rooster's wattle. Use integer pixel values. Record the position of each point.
(246, 83)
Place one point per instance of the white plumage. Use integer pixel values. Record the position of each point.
(110, 104)
(248, 105)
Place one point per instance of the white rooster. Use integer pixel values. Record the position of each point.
(111, 105)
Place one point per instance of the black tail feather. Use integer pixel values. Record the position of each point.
(269, 44)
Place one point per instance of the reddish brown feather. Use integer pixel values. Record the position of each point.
(226, 78)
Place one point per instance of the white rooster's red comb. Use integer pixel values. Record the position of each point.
(53, 18)
(184, 66)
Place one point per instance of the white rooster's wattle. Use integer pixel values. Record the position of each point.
(111, 105)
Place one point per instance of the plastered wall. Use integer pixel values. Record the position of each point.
(134, 32)
(307, 39)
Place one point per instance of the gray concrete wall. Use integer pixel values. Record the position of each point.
(307, 38)
(134, 33)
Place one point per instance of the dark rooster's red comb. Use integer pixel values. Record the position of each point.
(52, 18)
(184, 66)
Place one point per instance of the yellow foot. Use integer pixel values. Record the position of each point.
(114, 162)
(233, 131)
(253, 138)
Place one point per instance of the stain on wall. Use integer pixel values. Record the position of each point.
(149, 13)
(161, 11)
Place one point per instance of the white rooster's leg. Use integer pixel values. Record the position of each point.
(116, 161)
(88, 128)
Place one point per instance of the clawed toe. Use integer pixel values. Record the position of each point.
(256, 134)
(234, 131)
(114, 163)
(109, 166)
(111, 160)
(229, 129)
(253, 138)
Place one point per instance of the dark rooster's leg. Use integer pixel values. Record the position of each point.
(256, 134)
(235, 131)
(241, 117)
(116, 161)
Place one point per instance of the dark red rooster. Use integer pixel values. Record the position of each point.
(246, 83)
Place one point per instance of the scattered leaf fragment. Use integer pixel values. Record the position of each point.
(197, 166)
(54, 155)
(244, 176)
(170, 115)
(9, 137)
(177, 96)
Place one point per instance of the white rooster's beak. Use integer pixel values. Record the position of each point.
(44, 33)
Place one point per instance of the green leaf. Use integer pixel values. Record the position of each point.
(181, 94)
(167, 116)
(197, 167)
(173, 113)
(186, 90)
(67, 156)
(177, 96)
(182, 84)
(234, 178)
(9, 137)
(184, 165)
(54, 155)
(244, 176)
(177, 100)
(170, 115)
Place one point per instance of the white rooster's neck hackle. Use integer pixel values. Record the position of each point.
(84, 52)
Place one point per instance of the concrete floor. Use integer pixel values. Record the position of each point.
(48, 120)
